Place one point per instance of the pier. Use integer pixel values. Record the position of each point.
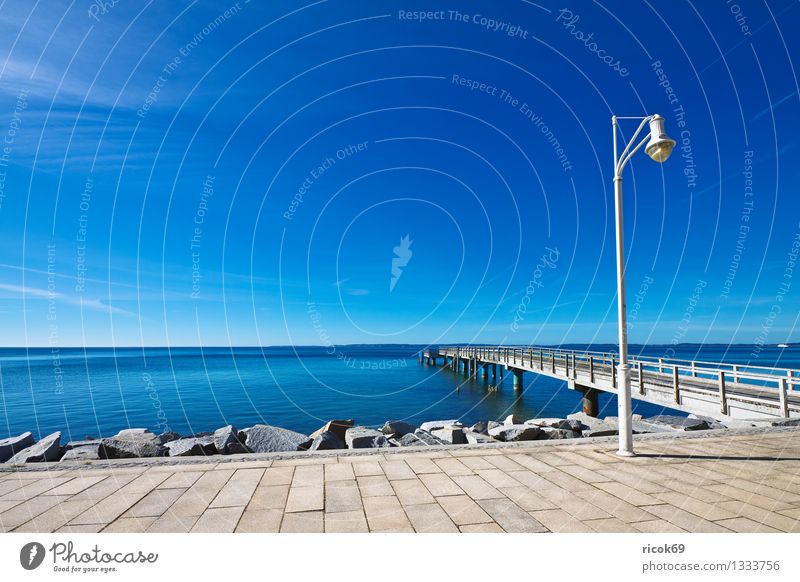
(716, 389)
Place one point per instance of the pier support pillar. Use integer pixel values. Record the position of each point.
(589, 400)
(485, 371)
(517, 380)
(501, 373)
(494, 372)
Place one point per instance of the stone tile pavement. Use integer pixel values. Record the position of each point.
(733, 482)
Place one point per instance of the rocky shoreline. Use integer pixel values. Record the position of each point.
(137, 443)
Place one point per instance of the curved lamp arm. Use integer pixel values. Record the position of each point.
(627, 153)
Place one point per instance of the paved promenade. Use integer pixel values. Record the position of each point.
(734, 482)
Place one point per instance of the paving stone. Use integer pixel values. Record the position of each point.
(440, 484)
(510, 516)
(385, 514)
(412, 492)
(218, 520)
(346, 522)
(375, 486)
(476, 487)
(463, 510)
(311, 498)
(308, 522)
(430, 518)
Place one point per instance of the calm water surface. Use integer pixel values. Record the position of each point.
(97, 392)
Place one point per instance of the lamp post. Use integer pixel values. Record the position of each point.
(659, 146)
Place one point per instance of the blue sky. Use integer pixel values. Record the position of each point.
(223, 173)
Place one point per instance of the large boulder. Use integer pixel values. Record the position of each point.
(433, 425)
(137, 434)
(130, 448)
(593, 427)
(451, 434)
(419, 438)
(13, 445)
(226, 441)
(677, 423)
(361, 437)
(192, 447)
(327, 441)
(398, 428)
(263, 438)
(513, 419)
(337, 427)
(482, 427)
(549, 432)
(477, 438)
(90, 452)
(515, 432)
(47, 449)
(166, 437)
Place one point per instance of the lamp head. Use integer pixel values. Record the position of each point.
(660, 145)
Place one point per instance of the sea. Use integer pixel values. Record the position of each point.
(93, 392)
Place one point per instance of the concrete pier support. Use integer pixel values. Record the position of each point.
(494, 372)
(485, 371)
(589, 400)
(518, 385)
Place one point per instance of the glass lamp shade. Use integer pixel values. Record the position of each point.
(660, 145)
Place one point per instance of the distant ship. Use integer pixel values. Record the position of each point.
(783, 345)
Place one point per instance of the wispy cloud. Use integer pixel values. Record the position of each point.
(92, 304)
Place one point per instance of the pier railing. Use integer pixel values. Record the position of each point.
(759, 386)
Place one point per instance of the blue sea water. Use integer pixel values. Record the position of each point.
(99, 391)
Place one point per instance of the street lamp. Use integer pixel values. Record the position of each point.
(659, 147)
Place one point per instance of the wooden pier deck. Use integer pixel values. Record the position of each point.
(720, 481)
(720, 390)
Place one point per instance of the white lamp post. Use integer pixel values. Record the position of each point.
(659, 146)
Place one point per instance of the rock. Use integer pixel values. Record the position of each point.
(543, 421)
(47, 449)
(481, 427)
(433, 425)
(477, 438)
(192, 447)
(451, 434)
(782, 422)
(89, 452)
(226, 441)
(513, 419)
(717, 425)
(591, 426)
(492, 424)
(419, 438)
(678, 423)
(361, 437)
(86, 442)
(13, 445)
(398, 428)
(166, 437)
(263, 438)
(516, 432)
(131, 448)
(327, 441)
(557, 433)
(137, 434)
(337, 427)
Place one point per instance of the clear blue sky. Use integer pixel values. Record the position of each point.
(176, 173)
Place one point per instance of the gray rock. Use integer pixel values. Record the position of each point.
(492, 424)
(89, 452)
(557, 433)
(513, 419)
(114, 448)
(398, 428)
(419, 438)
(166, 437)
(361, 437)
(477, 438)
(433, 425)
(516, 432)
(543, 421)
(47, 449)
(482, 427)
(568, 424)
(593, 427)
(83, 443)
(327, 441)
(192, 447)
(13, 445)
(263, 438)
(226, 441)
(137, 434)
(713, 423)
(678, 423)
(451, 434)
(337, 427)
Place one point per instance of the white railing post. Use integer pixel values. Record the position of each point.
(675, 386)
(784, 401)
